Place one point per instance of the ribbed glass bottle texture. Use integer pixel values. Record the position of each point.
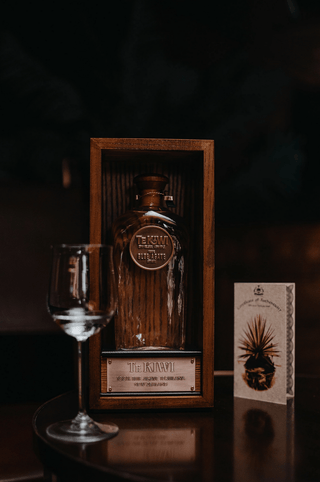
(151, 250)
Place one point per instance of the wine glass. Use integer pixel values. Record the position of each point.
(82, 300)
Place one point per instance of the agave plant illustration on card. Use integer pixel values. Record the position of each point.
(257, 343)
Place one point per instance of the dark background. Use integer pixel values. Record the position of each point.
(246, 74)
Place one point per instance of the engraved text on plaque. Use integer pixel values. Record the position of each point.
(172, 374)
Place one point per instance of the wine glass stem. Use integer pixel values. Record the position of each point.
(81, 380)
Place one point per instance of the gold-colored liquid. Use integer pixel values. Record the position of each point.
(151, 303)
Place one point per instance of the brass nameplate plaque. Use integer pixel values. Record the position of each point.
(152, 374)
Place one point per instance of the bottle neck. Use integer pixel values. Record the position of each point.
(152, 199)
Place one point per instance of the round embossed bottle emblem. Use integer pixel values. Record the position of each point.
(151, 247)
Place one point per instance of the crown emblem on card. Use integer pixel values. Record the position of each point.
(258, 290)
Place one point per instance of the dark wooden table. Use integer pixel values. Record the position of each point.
(238, 440)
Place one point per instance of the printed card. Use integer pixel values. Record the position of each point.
(264, 325)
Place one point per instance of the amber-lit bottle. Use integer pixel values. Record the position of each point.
(150, 249)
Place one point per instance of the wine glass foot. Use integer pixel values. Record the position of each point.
(82, 429)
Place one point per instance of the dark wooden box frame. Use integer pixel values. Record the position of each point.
(189, 165)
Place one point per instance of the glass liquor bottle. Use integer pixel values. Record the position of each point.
(150, 250)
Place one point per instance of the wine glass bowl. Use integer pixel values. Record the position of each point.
(82, 300)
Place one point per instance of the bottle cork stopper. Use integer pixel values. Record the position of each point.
(151, 182)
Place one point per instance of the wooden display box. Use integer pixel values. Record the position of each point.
(189, 165)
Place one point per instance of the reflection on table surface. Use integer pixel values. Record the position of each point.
(263, 440)
(239, 440)
(135, 447)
